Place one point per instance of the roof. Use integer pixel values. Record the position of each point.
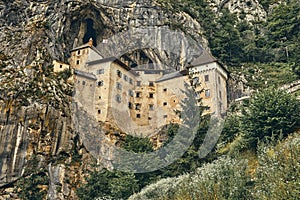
(203, 59)
(206, 58)
(85, 74)
(172, 75)
(115, 60)
(150, 71)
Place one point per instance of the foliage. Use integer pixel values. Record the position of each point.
(116, 185)
(137, 145)
(261, 75)
(224, 178)
(29, 188)
(278, 172)
(276, 176)
(271, 112)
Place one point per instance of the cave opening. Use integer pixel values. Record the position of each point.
(90, 32)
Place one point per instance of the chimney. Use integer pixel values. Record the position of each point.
(91, 42)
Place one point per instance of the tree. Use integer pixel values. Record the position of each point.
(270, 113)
(116, 185)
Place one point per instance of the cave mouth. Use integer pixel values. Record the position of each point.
(90, 32)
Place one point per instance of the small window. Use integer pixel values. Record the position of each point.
(220, 94)
(78, 81)
(138, 106)
(83, 82)
(99, 111)
(125, 77)
(165, 103)
(77, 62)
(206, 78)
(195, 80)
(138, 94)
(138, 83)
(151, 84)
(100, 83)
(100, 71)
(130, 93)
(165, 116)
(219, 80)
(119, 86)
(138, 115)
(165, 89)
(119, 73)
(130, 81)
(207, 93)
(78, 52)
(60, 66)
(100, 97)
(151, 95)
(151, 107)
(130, 106)
(118, 98)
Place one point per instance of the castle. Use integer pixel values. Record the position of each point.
(140, 101)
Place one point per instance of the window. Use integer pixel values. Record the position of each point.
(207, 93)
(151, 83)
(151, 107)
(195, 80)
(138, 83)
(77, 62)
(138, 115)
(165, 103)
(130, 93)
(219, 80)
(83, 82)
(151, 95)
(165, 89)
(99, 97)
(60, 66)
(119, 73)
(138, 106)
(130, 106)
(119, 86)
(78, 52)
(100, 71)
(206, 78)
(130, 81)
(99, 111)
(165, 116)
(78, 81)
(118, 98)
(125, 77)
(100, 83)
(138, 94)
(220, 94)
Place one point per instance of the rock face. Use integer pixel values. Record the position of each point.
(49, 29)
(40, 139)
(249, 10)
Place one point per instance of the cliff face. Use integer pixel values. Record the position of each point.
(41, 30)
(36, 133)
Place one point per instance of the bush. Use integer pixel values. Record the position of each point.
(225, 178)
(278, 172)
(270, 112)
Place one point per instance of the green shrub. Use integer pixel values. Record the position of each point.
(270, 112)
